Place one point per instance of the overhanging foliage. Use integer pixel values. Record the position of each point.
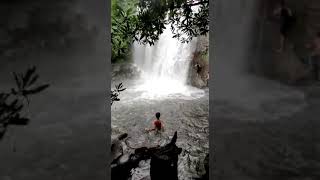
(145, 20)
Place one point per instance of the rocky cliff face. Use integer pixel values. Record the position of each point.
(288, 65)
(199, 68)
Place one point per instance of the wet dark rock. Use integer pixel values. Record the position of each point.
(163, 159)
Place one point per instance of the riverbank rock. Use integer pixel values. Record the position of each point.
(163, 159)
(199, 70)
(288, 66)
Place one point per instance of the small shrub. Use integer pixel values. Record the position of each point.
(116, 92)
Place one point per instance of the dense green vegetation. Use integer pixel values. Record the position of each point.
(124, 20)
(145, 20)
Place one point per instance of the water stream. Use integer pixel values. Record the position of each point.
(163, 87)
(165, 67)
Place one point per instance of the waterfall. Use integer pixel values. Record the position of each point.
(164, 66)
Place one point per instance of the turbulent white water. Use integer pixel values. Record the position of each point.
(163, 87)
(165, 67)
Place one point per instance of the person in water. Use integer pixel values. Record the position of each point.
(287, 20)
(157, 124)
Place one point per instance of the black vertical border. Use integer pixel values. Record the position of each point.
(213, 10)
(107, 29)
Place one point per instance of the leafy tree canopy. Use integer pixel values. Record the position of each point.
(188, 19)
(123, 23)
(145, 20)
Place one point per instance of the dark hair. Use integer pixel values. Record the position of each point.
(157, 115)
(318, 34)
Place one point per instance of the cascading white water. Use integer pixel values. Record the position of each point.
(165, 66)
